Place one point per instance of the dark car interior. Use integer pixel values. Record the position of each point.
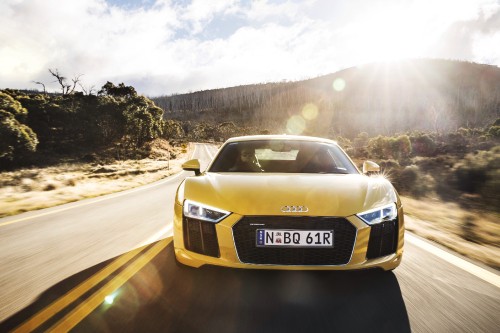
(299, 157)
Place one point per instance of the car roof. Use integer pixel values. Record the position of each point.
(279, 137)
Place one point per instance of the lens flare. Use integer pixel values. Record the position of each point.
(296, 125)
(338, 84)
(110, 298)
(310, 111)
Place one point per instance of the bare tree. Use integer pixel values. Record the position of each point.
(89, 90)
(65, 87)
(43, 85)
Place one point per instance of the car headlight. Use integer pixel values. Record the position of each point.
(203, 212)
(381, 214)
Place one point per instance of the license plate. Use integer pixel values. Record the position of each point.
(294, 238)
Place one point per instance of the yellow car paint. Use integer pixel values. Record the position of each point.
(254, 194)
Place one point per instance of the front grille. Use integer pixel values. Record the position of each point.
(383, 239)
(200, 237)
(244, 232)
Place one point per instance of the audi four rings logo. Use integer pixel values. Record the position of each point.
(294, 209)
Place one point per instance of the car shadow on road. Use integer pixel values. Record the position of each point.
(163, 297)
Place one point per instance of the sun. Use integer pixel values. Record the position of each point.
(388, 34)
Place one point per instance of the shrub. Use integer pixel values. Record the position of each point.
(471, 173)
(435, 165)
(423, 145)
(407, 178)
(378, 147)
(479, 173)
(50, 187)
(401, 147)
(494, 131)
(411, 181)
(456, 142)
(389, 165)
(18, 140)
(469, 228)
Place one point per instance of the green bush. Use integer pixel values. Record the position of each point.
(18, 140)
(479, 173)
(423, 145)
(470, 173)
(398, 148)
(379, 147)
(494, 131)
(411, 181)
(456, 142)
(401, 147)
(435, 165)
(389, 165)
(407, 178)
(12, 106)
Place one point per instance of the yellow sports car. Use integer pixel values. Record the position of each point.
(287, 202)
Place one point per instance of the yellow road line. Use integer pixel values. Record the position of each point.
(72, 295)
(84, 309)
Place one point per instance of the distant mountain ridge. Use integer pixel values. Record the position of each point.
(379, 98)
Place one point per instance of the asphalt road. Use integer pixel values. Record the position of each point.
(47, 257)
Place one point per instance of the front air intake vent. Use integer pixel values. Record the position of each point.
(383, 239)
(200, 237)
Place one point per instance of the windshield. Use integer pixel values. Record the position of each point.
(282, 156)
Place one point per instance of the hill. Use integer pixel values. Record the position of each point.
(379, 98)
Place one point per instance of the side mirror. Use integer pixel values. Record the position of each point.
(192, 165)
(369, 166)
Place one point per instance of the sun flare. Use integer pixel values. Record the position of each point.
(389, 34)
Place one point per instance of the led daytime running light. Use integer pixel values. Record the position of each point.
(203, 212)
(381, 214)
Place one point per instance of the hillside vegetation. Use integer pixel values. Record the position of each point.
(425, 95)
(40, 128)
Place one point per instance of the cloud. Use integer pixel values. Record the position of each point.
(170, 46)
(200, 12)
(474, 39)
(263, 10)
(81, 37)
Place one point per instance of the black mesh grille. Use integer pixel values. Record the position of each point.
(245, 240)
(383, 239)
(200, 237)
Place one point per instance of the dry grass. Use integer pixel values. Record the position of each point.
(37, 188)
(471, 233)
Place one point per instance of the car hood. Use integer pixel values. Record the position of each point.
(266, 194)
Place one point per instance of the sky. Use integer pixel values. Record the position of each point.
(163, 47)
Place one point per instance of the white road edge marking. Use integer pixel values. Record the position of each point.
(208, 152)
(106, 197)
(481, 273)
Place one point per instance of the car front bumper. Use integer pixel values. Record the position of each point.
(227, 253)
